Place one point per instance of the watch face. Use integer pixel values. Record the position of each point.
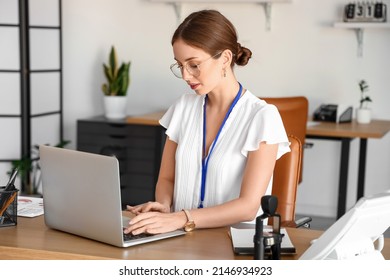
(189, 226)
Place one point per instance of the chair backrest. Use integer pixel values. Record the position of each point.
(294, 113)
(285, 181)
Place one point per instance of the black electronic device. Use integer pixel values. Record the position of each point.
(380, 10)
(365, 11)
(349, 11)
(262, 239)
(333, 113)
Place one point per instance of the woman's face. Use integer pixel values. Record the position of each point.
(201, 71)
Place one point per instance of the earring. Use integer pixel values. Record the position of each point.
(224, 73)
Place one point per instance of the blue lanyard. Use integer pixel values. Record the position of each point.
(205, 160)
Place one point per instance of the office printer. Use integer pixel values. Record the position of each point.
(333, 113)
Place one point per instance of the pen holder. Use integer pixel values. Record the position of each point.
(8, 207)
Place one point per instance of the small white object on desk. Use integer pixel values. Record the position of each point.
(30, 206)
(312, 123)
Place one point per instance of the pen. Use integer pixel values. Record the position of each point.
(11, 181)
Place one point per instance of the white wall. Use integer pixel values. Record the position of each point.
(301, 55)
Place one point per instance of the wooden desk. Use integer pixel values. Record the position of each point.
(147, 119)
(345, 132)
(31, 239)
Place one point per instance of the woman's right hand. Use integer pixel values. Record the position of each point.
(148, 207)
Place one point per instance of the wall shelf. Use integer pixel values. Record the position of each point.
(267, 4)
(359, 28)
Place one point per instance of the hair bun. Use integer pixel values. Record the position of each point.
(243, 55)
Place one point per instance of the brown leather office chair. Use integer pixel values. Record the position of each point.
(288, 169)
(285, 184)
(294, 113)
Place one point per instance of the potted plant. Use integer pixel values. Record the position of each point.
(363, 113)
(115, 89)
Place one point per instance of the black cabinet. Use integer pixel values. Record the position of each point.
(137, 146)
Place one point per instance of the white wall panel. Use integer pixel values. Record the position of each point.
(45, 92)
(44, 12)
(9, 48)
(45, 130)
(9, 94)
(9, 11)
(10, 138)
(44, 49)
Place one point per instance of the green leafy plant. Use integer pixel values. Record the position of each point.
(364, 98)
(118, 79)
(30, 166)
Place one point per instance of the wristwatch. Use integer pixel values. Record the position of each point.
(190, 224)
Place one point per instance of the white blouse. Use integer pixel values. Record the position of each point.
(251, 121)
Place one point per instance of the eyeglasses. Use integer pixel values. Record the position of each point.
(191, 67)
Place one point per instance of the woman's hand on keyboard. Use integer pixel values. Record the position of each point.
(148, 207)
(156, 222)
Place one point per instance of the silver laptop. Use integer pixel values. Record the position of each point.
(81, 195)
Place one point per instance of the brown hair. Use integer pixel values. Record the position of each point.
(212, 32)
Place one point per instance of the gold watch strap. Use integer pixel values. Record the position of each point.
(188, 214)
(190, 224)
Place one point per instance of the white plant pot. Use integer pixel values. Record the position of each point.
(115, 107)
(363, 115)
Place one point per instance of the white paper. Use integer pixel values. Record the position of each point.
(243, 238)
(30, 206)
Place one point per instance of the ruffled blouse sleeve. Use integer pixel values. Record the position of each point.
(172, 119)
(266, 126)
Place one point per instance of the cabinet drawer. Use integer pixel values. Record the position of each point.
(122, 141)
(130, 161)
(120, 152)
(114, 129)
(136, 189)
(134, 180)
(137, 147)
(139, 166)
(135, 196)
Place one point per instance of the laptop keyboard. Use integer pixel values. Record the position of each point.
(130, 236)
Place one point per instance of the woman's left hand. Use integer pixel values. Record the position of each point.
(156, 222)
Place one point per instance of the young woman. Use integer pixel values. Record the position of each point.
(222, 142)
